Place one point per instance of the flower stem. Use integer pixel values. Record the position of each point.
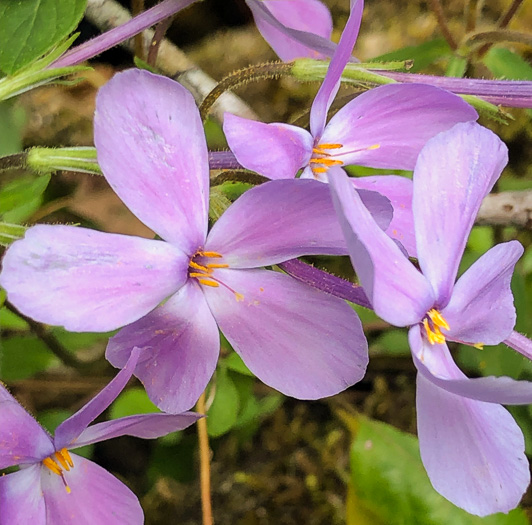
(436, 7)
(205, 464)
(243, 76)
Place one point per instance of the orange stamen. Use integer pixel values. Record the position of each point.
(215, 265)
(197, 266)
(327, 162)
(214, 284)
(438, 319)
(211, 254)
(319, 170)
(65, 459)
(53, 466)
(330, 146)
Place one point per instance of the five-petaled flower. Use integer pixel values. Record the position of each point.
(174, 295)
(470, 445)
(385, 127)
(54, 487)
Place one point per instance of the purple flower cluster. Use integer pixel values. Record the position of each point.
(171, 297)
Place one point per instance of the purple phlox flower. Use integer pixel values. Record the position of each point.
(385, 127)
(55, 487)
(152, 150)
(470, 445)
(294, 28)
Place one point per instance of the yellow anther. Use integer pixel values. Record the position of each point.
(215, 255)
(239, 297)
(214, 284)
(434, 335)
(53, 466)
(319, 170)
(327, 162)
(375, 146)
(438, 319)
(197, 266)
(319, 151)
(215, 265)
(196, 274)
(330, 146)
(65, 459)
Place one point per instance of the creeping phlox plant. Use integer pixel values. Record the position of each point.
(172, 296)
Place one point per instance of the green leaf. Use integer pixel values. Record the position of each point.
(223, 413)
(11, 321)
(234, 362)
(30, 28)
(504, 63)
(20, 198)
(423, 55)
(390, 485)
(22, 357)
(131, 402)
(12, 119)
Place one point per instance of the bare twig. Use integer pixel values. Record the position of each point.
(205, 464)
(137, 6)
(107, 14)
(158, 37)
(436, 7)
(509, 208)
(51, 341)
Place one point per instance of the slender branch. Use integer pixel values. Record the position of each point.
(507, 17)
(492, 37)
(471, 9)
(508, 208)
(205, 464)
(243, 76)
(109, 14)
(137, 7)
(51, 341)
(442, 22)
(158, 37)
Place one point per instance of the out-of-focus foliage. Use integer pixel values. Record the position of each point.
(389, 485)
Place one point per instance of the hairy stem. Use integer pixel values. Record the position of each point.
(437, 8)
(243, 76)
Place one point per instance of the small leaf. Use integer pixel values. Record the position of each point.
(23, 357)
(223, 413)
(234, 362)
(506, 64)
(423, 55)
(20, 198)
(389, 483)
(131, 402)
(30, 28)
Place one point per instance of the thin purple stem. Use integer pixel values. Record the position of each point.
(513, 93)
(223, 160)
(520, 344)
(326, 282)
(117, 35)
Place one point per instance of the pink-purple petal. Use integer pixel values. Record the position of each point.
(151, 148)
(386, 127)
(89, 281)
(276, 151)
(67, 432)
(277, 221)
(300, 341)
(145, 426)
(435, 364)
(473, 451)
(399, 293)
(22, 439)
(179, 344)
(96, 497)
(481, 309)
(331, 83)
(454, 172)
(399, 192)
(21, 500)
(294, 28)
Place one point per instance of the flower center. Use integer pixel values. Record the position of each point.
(60, 460)
(433, 323)
(322, 160)
(199, 268)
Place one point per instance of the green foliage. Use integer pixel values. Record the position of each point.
(223, 413)
(130, 402)
(423, 54)
(506, 64)
(30, 28)
(389, 485)
(12, 120)
(21, 198)
(23, 357)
